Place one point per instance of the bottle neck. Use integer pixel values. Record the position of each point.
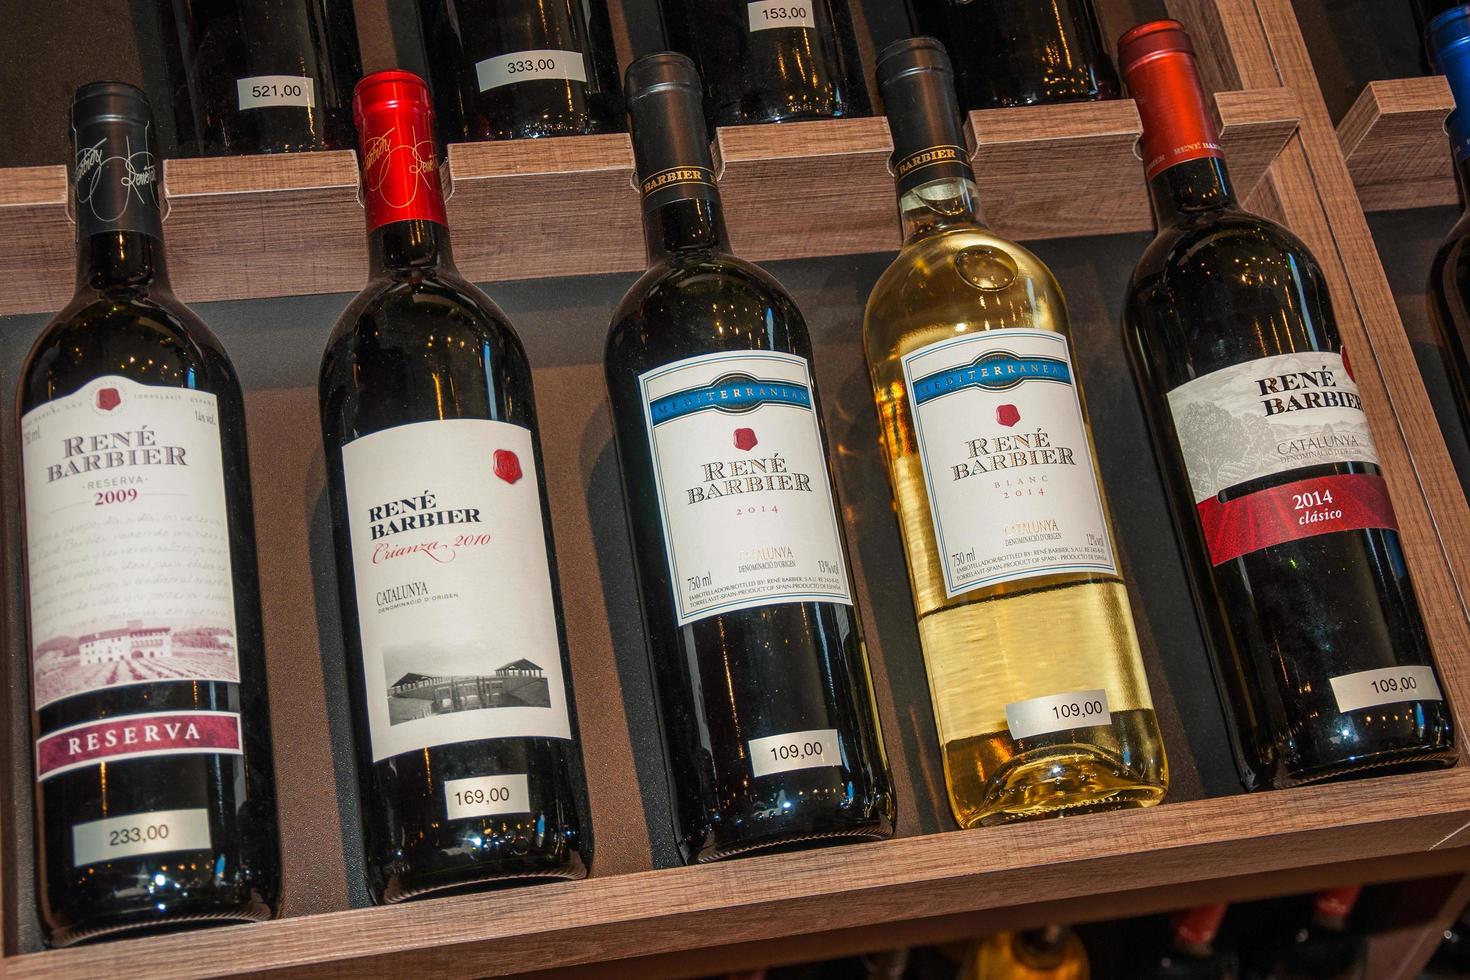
(1191, 188)
(692, 224)
(113, 260)
(415, 246)
(938, 206)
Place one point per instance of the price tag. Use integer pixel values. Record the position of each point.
(768, 14)
(264, 91)
(140, 833)
(485, 796)
(530, 66)
(1388, 685)
(794, 750)
(1058, 713)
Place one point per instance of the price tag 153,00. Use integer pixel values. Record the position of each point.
(768, 14)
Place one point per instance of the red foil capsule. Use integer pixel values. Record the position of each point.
(1157, 60)
(395, 131)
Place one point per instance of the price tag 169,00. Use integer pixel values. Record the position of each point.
(768, 14)
(486, 796)
(1058, 713)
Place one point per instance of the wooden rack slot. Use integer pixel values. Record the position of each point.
(1394, 141)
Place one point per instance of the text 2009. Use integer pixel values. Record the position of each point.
(105, 497)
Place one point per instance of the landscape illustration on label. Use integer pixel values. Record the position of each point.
(133, 652)
(415, 694)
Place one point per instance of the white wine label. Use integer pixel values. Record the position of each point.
(742, 481)
(794, 750)
(270, 91)
(766, 14)
(127, 541)
(140, 833)
(486, 796)
(1058, 713)
(1269, 416)
(1386, 685)
(1006, 458)
(530, 66)
(137, 736)
(454, 601)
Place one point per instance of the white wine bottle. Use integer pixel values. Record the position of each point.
(1038, 685)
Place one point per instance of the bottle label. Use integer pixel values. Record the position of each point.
(1385, 685)
(272, 91)
(1058, 713)
(1271, 416)
(127, 558)
(140, 833)
(136, 736)
(1007, 462)
(795, 750)
(455, 611)
(742, 482)
(486, 796)
(768, 14)
(530, 66)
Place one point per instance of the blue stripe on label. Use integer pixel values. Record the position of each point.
(999, 371)
(733, 393)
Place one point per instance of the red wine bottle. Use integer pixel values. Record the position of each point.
(759, 669)
(511, 69)
(260, 76)
(1448, 291)
(767, 61)
(1326, 947)
(155, 802)
(457, 671)
(1189, 950)
(1299, 578)
(1007, 53)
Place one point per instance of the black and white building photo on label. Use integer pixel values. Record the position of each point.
(414, 695)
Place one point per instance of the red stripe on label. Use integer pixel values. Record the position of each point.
(161, 733)
(1303, 509)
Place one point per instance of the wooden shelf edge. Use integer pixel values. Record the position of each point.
(689, 908)
(1394, 142)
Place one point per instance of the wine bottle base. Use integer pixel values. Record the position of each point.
(798, 842)
(149, 921)
(1377, 764)
(404, 887)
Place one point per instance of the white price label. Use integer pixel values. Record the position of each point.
(768, 14)
(794, 750)
(530, 66)
(265, 91)
(1388, 685)
(485, 796)
(140, 833)
(1058, 713)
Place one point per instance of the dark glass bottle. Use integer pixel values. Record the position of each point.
(1426, 10)
(1299, 578)
(261, 76)
(510, 69)
(1325, 947)
(761, 678)
(768, 61)
(464, 724)
(1034, 52)
(155, 801)
(1448, 292)
(1189, 950)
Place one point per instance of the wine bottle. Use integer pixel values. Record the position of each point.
(1325, 947)
(768, 61)
(1004, 523)
(148, 691)
(1293, 552)
(508, 69)
(1013, 54)
(261, 76)
(463, 719)
(1190, 951)
(1049, 953)
(1448, 291)
(761, 677)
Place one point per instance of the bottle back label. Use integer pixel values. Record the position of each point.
(742, 481)
(766, 15)
(1006, 459)
(1269, 417)
(530, 66)
(453, 584)
(128, 564)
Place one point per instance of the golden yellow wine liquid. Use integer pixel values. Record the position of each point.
(997, 645)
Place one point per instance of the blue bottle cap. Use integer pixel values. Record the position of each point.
(1449, 46)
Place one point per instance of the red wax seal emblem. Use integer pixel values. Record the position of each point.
(108, 399)
(745, 439)
(1007, 415)
(507, 465)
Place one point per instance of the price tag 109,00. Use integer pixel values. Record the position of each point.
(794, 750)
(1387, 685)
(766, 15)
(1058, 713)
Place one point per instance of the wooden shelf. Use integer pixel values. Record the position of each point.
(290, 224)
(1394, 141)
